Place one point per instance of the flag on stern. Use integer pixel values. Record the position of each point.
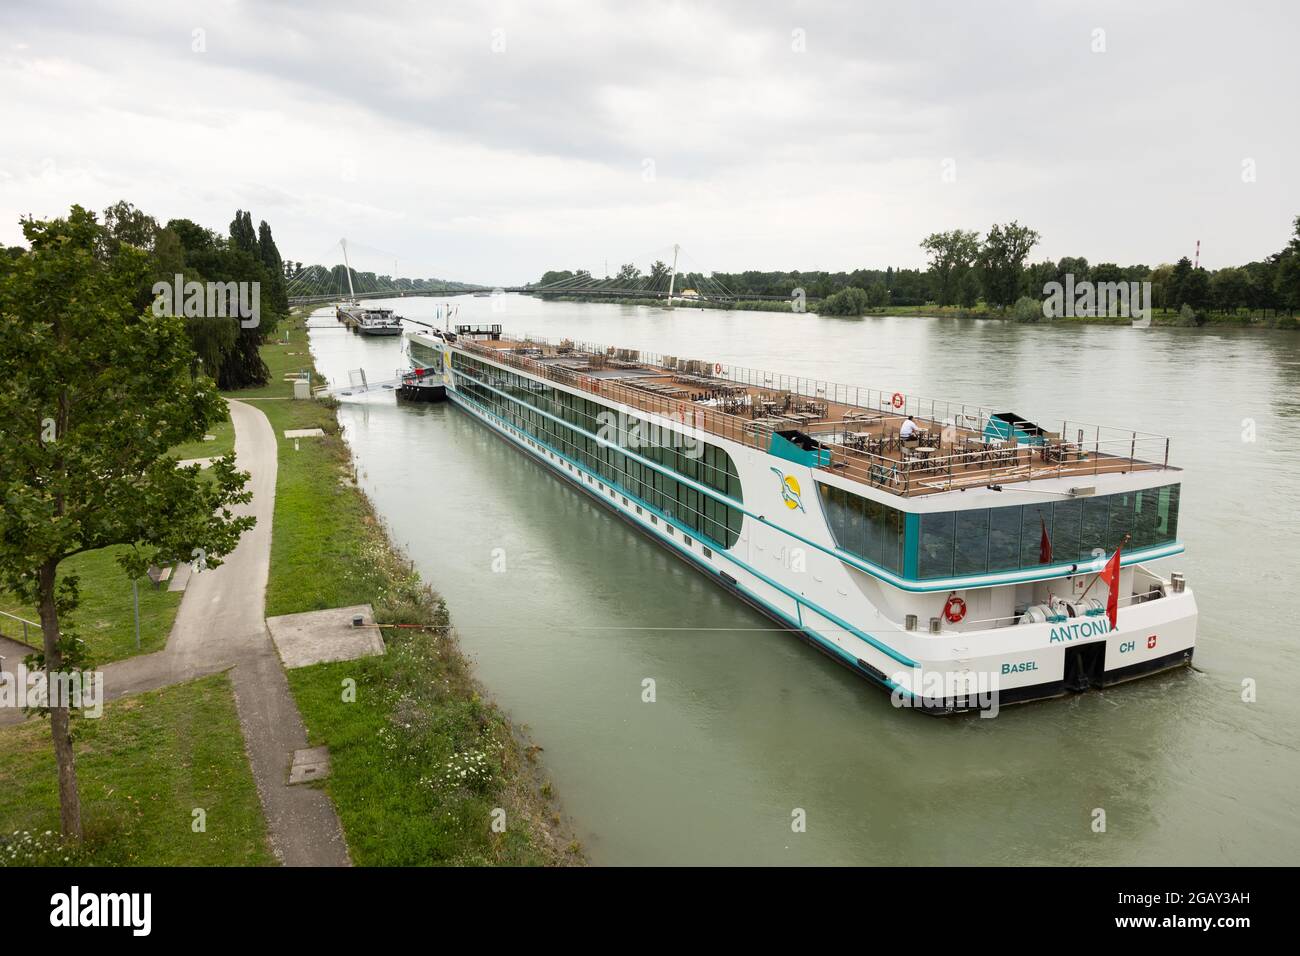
(1110, 575)
(1044, 544)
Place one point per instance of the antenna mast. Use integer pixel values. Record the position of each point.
(348, 268)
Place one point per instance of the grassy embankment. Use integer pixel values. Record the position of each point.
(420, 758)
(143, 768)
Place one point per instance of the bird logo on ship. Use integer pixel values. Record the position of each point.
(790, 492)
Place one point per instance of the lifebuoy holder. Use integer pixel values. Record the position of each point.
(954, 609)
(717, 368)
(897, 400)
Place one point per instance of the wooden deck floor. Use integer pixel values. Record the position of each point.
(862, 444)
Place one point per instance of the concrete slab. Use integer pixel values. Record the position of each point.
(180, 577)
(201, 462)
(304, 433)
(310, 764)
(314, 637)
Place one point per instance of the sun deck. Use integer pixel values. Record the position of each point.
(842, 430)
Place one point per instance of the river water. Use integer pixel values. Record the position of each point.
(750, 724)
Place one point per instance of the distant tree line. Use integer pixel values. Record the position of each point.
(966, 270)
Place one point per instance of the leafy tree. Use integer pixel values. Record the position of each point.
(877, 296)
(124, 223)
(1002, 259)
(659, 273)
(1177, 280)
(968, 290)
(1195, 290)
(241, 232)
(1229, 289)
(850, 301)
(628, 273)
(951, 256)
(93, 392)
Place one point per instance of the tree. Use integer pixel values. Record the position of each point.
(659, 273)
(850, 301)
(1174, 286)
(951, 256)
(93, 392)
(1001, 260)
(877, 296)
(241, 231)
(628, 272)
(1195, 290)
(1229, 289)
(968, 289)
(124, 223)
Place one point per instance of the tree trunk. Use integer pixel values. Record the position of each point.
(69, 799)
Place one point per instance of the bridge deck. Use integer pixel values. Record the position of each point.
(860, 443)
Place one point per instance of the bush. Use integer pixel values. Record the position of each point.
(1027, 310)
(850, 301)
(1187, 316)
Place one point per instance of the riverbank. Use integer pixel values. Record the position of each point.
(1163, 317)
(425, 768)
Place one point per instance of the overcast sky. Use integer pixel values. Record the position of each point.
(489, 142)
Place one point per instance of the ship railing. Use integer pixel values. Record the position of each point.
(934, 412)
(980, 462)
(1102, 450)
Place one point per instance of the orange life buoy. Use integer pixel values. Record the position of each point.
(955, 609)
(897, 400)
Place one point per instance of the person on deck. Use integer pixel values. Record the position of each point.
(909, 429)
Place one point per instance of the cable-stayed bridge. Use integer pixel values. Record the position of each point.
(670, 276)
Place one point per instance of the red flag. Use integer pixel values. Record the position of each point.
(1044, 544)
(1110, 575)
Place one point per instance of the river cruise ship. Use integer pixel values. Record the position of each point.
(986, 559)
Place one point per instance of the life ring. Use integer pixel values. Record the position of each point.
(954, 609)
(717, 368)
(897, 400)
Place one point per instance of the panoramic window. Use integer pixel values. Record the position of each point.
(529, 405)
(1008, 539)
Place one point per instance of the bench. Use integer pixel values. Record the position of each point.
(159, 576)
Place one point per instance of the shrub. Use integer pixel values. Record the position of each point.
(1027, 310)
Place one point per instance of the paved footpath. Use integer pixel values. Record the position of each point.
(221, 626)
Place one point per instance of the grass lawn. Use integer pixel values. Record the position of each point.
(105, 618)
(223, 443)
(143, 768)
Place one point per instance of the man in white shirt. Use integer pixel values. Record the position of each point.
(909, 429)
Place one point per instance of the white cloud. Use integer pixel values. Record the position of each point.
(398, 126)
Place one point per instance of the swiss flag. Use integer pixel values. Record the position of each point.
(1110, 574)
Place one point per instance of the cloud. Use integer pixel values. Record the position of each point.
(488, 143)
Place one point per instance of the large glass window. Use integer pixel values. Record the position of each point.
(972, 544)
(937, 543)
(864, 527)
(708, 464)
(1007, 539)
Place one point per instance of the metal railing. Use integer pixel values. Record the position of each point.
(24, 622)
(1078, 450)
